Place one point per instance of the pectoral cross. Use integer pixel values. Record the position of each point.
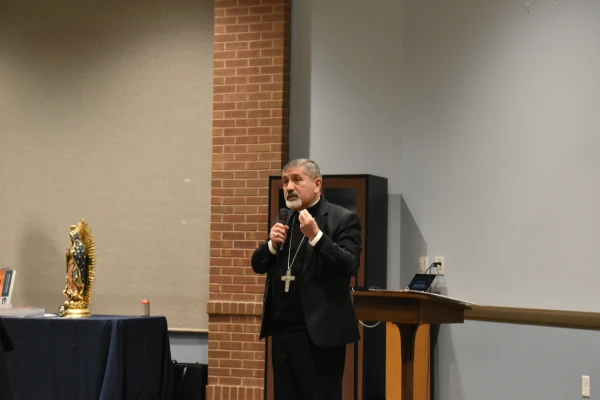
(288, 278)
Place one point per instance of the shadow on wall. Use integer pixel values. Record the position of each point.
(300, 80)
(412, 245)
(449, 385)
(42, 278)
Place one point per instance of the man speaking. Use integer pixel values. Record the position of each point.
(309, 258)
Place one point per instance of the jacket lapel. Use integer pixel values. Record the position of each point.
(321, 219)
(289, 218)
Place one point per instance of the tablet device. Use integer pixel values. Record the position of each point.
(421, 282)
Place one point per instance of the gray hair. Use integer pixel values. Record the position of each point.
(311, 169)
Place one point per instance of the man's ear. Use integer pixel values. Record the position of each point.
(318, 184)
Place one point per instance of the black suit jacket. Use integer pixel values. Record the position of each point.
(326, 273)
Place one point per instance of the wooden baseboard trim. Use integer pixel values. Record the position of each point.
(187, 330)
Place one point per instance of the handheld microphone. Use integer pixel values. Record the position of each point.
(283, 214)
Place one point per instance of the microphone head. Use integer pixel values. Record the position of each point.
(283, 214)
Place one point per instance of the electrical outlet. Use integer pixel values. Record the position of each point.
(585, 386)
(423, 264)
(442, 268)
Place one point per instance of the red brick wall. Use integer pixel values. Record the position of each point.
(250, 143)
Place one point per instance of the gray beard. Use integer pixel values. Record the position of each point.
(294, 204)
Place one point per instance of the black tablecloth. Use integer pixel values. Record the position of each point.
(101, 357)
(5, 346)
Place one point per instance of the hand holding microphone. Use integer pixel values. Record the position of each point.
(279, 231)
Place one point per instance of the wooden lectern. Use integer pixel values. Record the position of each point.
(407, 310)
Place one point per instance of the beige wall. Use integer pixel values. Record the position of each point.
(105, 114)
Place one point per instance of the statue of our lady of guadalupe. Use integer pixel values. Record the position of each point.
(80, 264)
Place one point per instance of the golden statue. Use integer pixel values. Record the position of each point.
(81, 265)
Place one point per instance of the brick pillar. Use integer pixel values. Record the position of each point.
(250, 143)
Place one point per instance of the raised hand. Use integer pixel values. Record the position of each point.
(308, 225)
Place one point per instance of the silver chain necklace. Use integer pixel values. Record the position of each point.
(288, 277)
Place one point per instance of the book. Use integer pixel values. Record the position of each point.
(22, 312)
(7, 283)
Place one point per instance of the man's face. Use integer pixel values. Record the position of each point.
(299, 190)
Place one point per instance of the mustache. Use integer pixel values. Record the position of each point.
(292, 194)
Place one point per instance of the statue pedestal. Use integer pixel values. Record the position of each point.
(77, 313)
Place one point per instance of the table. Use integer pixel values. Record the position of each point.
(100, 357)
